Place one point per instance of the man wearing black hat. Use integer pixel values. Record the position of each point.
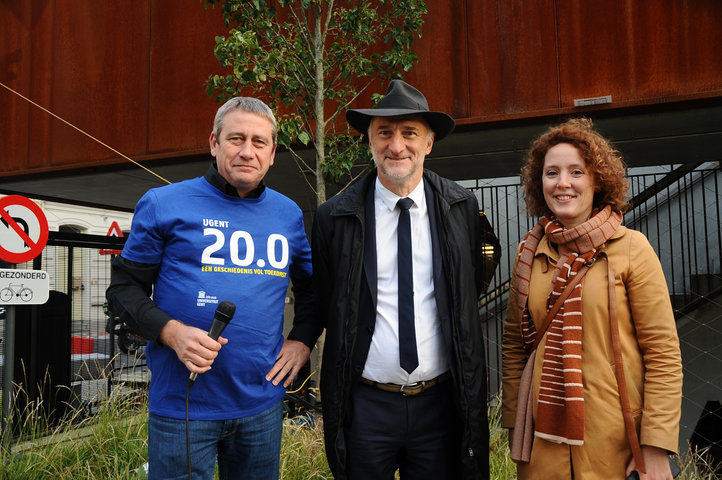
(397, 266)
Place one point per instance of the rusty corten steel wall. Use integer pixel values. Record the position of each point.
(131, 73)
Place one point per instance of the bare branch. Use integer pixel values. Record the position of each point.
(342, 108)
(352, 180)
(303, 26)
(304, 168)
(329, 15)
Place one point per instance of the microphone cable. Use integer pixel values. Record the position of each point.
(188, 432)
(224, 313)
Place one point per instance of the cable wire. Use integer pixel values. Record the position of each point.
(188, 434)
(83, 132)
(304, 383)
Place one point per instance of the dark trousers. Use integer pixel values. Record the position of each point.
(418, 435)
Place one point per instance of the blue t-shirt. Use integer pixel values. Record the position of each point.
(213, 247)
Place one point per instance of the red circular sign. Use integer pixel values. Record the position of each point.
(27, 224)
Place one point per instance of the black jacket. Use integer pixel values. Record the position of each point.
(343, 292)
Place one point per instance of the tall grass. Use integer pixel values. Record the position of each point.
(302, 452)
(501, 466)
(112, 444)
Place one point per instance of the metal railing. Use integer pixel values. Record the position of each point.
(70, 352)
(682, 221)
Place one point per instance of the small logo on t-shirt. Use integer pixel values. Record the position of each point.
(204, 298)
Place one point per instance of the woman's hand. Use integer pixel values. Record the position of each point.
(656, 463)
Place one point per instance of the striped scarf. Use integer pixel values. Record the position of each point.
(560, 408)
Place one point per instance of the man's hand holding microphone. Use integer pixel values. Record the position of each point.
(196, 348)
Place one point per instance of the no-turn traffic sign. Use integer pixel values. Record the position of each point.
(23, 229)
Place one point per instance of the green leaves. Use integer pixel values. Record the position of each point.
(346, 155)
(309, 60)
(304, 138)
(291, 129)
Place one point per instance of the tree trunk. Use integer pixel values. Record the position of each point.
(319, 114)
(320, 155)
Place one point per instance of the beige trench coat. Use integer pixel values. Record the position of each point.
(650, 349)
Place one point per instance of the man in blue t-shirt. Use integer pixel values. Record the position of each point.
(192, 245)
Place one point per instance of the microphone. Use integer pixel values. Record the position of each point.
(224, 314)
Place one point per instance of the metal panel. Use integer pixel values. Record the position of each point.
(39, 58)
(99, 79)
(512, 57)
(17, 23)
(181, 58)
(442, 70)
(640, 52)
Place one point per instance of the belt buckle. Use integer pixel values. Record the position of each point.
(411, 385)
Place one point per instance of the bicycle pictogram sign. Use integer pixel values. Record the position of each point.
(24, 287)
(16, 290)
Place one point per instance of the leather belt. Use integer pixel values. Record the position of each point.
(411, 389)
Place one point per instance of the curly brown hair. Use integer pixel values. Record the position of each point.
(603, 161)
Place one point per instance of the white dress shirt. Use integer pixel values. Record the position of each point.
(382, 363)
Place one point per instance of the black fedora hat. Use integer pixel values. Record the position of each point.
(401, 99)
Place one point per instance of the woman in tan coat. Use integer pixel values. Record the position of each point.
(574, 180)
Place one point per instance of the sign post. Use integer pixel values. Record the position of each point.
(23, 236)
(113, 231)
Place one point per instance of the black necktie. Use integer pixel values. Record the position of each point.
(409, 359)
